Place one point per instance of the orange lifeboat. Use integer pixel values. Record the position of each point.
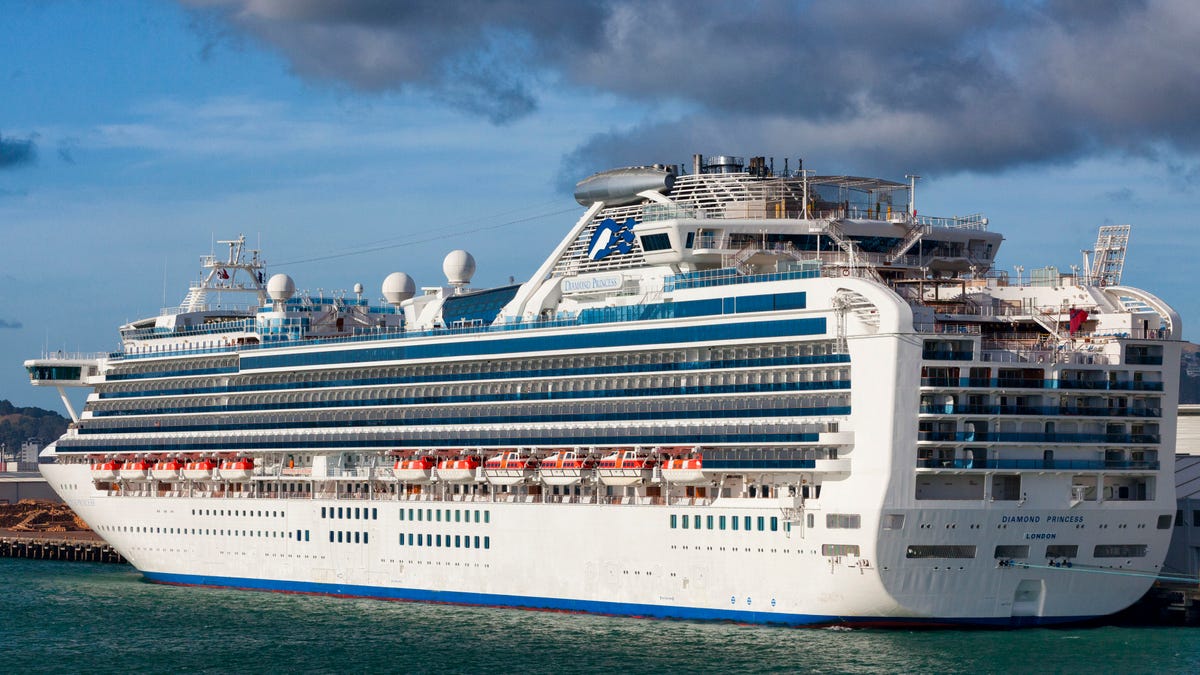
(625, 467)
(106, 470)
(135, 469)
(684, 470)
(166, 470)
(239, 469)
(509, 468)
(414, 470)
(200, 469)
(459, 470)
(565, 467)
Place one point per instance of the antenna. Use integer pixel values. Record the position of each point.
(912, 194)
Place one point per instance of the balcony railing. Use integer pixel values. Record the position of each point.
(1013, 383)
(1039, 410)
(1039, 464)
(1033, 437)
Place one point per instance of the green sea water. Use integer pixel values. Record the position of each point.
(90, 618)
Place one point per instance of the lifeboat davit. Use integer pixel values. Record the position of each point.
(459, 470)
(565, 467)
(200, 469)
(509, 468)
(415, 470)
(240, 469)
(106, 470)
(684, 470)
(167, 470)
(135, 469)
(625, 467)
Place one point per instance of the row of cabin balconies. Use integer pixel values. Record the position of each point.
(1082, 411)
(1038, 383)
(987, 459)
(1050, 464)
(1036, 437)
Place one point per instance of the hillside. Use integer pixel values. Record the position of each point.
(18, 425)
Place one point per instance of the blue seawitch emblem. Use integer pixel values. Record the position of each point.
(611, 237)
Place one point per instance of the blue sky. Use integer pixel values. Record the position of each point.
(133, 133)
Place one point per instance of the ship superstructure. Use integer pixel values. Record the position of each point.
(729, 393)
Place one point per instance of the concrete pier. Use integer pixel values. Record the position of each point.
(68, 546)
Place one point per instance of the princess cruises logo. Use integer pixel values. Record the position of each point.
(611, 237)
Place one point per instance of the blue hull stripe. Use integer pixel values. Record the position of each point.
(587, 606)
(548, 343)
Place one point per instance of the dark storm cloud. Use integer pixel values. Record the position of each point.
(15, 152)
(874, 87)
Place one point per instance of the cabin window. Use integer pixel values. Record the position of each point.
(487, 542)
(734, 521)
(685, 522)
(746, 523)
(709, 522)
(674, 521)
(721, 522)
(846, 521)
(761, 523)
(476, 541)
(696, 521)
(774, 523)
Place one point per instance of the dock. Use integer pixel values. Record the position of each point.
(66, 546)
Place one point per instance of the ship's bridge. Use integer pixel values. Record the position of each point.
(64, 370)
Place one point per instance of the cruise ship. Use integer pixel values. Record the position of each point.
(728, 393)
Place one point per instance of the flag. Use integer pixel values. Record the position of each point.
(1078, 316)
(222, 273)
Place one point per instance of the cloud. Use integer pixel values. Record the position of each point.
(17, 152)
(4, 323)
(934, 85)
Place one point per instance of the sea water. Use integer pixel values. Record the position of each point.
(86, 618)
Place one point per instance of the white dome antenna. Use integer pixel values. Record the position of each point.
(281, 288)
(459, 267)
(398, 287)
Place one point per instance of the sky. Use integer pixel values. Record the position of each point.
(353, 138)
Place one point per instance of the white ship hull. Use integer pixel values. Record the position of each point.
(653, 570)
